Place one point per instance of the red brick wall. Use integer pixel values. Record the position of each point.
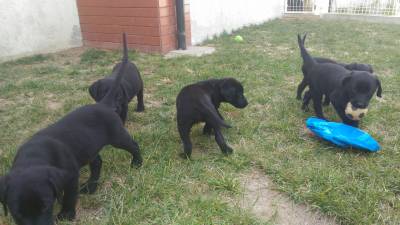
(150, 24)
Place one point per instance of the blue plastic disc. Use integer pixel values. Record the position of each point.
(342, 135)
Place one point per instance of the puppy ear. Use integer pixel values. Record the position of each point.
(379, 91)
(347, 79)
(3, 193)
(371, 70)
(57, 179)
(94, 91)
(223, 89)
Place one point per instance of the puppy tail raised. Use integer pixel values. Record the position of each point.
(308, 60)
(109, 98)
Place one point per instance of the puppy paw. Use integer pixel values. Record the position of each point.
(140, 109)
(227, 150)
(137, 162)
(305, 108)
(184, 156)
(66, 215)
(88, 188)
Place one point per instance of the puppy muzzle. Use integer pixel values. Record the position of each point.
(241, 104)
(355, 113)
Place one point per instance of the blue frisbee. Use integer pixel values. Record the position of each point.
(343, 135)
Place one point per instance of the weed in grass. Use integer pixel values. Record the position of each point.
(31, 60)
(92, 56)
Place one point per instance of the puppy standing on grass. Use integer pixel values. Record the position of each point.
(303, 84)
(343, 87)
(199, 102)
(131, 85)
(47, 166)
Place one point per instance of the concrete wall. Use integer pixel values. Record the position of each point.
(212, 17)
(37, 26)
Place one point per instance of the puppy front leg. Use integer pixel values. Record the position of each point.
(207, 129)
(90, 186)
(317, 98)
(184, 133)
(341, 112)
(70, 199)
(140, 104)
(326, 100)
(125, 141)
(219, 138)
(339, 103)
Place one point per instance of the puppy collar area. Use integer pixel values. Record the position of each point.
(342, 135)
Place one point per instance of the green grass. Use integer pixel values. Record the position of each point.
(354, 187)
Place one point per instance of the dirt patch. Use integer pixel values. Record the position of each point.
(54, 105)
(4, 103)
(70, 56)
(270, 205)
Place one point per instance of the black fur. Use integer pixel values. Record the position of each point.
(47, 166)
(199, 102)
(341, 85)
(131, 85)
(303, 84)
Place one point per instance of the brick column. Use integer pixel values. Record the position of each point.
(150, 24)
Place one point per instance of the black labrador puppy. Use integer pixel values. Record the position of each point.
(199, 102)
(342, 86)
(131, 85)
(47, 166)
(303, 84)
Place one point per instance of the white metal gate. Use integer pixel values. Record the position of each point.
(299, 6)
(365, 7)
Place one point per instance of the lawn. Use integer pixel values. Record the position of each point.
(268, 135)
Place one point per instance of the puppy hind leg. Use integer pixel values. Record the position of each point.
(306, 101)
(70, 199)
(300, 88)
(125, 141)
(140, 104)
(184, 133)
(90, 186)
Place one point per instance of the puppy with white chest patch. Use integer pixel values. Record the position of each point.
(47, 166)
(343, 87)
(131, 85)
(199, 102)
(304, 83)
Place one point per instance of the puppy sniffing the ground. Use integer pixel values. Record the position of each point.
(131, 85)
(199, 102)
(342, 86)
(47, 166)
(303, 84)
